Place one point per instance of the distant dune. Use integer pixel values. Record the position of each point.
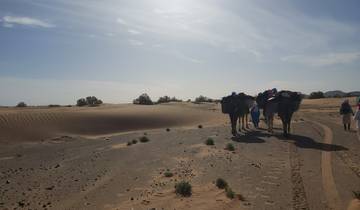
(36, 124)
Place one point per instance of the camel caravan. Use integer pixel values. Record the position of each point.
(238, 106)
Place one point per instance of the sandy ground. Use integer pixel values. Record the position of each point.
(78, 158)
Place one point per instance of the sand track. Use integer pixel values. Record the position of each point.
(331, 193)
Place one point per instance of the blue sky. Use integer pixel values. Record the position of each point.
(60, 50)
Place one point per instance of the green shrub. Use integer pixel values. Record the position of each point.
(21, 104)
(89, 101)
(167, 129)
(316, 95)
(183, 188)
(54, 105)
(230, 147)
(168, 174)
(209, 141)
(229, 193)
(134, 141)
(221, 183)
(356, 194)
(143, 99)
(144, 139)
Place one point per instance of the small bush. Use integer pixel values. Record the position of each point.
(167, 129)
(202, 99)
(356, 194)
(143, 99)
(144, 139)
(200, 126)
(229, 193)
(221, 183)
(209, 141)
(183, 188)
(21, 104)
(316, 95)
(167, 99)
(230, 147)
(53, 105)
(129, 143)
(168, 174)
(134, 141)
(89, 101)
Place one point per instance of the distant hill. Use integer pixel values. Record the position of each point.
(354, 93)
(335, 94)
(340, 94)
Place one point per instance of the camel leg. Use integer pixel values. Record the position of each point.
(233, 124)
(289, 126)
(271, 124)
(246, 120)
(240, 123)
(243, 122)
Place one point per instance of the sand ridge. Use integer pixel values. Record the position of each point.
(39, 124)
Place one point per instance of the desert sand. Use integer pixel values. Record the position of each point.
(79, 158)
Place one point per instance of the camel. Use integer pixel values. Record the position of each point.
(237, 106)
(285, 103)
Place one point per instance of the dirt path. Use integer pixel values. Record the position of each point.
(331, 192)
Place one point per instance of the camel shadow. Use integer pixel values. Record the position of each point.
(309, 143)
(250, 137)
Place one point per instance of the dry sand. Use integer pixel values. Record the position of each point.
(78, 158)
(39, 124)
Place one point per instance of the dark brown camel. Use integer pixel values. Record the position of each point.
(237, 106)
(285, 103)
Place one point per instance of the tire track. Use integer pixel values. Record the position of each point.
(299, 199)
(331, 193)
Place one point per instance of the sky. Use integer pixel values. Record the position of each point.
(54, 52)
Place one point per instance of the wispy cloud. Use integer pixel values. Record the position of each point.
(10, 21)
(121, 21)
(133, 32)
(135, 42)
(324, 59)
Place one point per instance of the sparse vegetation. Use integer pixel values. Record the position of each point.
(144, 139)
(230, 147)
(316, 95)
(54, 105)
(229, 193)
(200, 126)
(168, 173)
(183, 188)
(202, 99)
(167, 99)
(89, 101)
(356, 194)
(167, 129)
(21, 104)
(143, 99)
(221, 183)
(129, 143)
(134, 141)
(209, 141)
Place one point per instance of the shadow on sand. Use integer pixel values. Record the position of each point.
(309, 143)
(250, 137)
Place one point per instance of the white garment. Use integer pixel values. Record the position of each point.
(357, 118)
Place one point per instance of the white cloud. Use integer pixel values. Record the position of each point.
(110, 34)
(323, 59)
(10, 21)
(121, 21)
(135, 42)
(133, 32)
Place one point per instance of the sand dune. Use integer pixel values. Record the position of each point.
(35, 124)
